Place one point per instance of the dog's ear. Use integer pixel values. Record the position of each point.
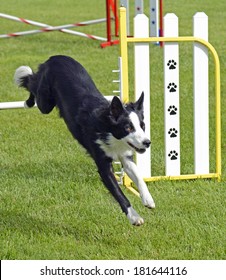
(139, 103)
(116, 108)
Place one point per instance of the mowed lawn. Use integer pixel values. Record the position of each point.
(52, 203)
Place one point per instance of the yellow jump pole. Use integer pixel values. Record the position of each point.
(124, 72)
(124, 54)
(217, 85)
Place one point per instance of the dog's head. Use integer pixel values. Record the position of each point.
(128, 124)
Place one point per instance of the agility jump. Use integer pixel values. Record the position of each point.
(172, 110)
(171, 88)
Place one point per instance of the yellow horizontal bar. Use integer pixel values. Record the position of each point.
(172, 178)
(170, 39)
(183, 177)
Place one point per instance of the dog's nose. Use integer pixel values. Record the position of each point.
(147, 143)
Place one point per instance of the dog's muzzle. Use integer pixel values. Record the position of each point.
(146, 145)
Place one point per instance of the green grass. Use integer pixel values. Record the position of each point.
(52, 202)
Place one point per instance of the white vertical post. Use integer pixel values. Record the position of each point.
(201, 96)
(154, 18)
(171, 97)
(120, 76)
(142, 83)
(119, 80)
(139, 7)
(125, 3)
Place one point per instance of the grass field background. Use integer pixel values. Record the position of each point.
(52, 202)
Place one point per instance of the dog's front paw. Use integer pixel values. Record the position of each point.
(134, 218)
(148, 201)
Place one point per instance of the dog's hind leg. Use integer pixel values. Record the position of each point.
(105, 170)
(132, 171)
(44, 103)
(44, 98)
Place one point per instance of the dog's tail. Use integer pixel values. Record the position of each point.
(21, 78)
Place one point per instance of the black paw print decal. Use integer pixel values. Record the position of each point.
(172, 110)
(172, 132)
(173, 155)
(172, 87)
(172, 64)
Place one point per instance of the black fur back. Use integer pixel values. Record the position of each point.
(63, 82)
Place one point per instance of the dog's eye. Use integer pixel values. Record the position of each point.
(129, 128)
(142, 125)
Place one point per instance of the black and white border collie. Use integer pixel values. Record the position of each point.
(107, 130)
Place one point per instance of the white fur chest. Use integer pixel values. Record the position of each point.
(114, 148)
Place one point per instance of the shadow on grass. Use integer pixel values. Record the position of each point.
(27, 225)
